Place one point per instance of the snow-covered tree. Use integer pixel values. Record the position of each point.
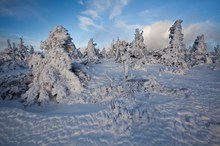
(217, 49)
(53, 78)
(174, 54)
(103, 53)
(91, 53)
(13, 85)
(14, 57)
(121, 49)
(137, 46)
(199, 45)
(61, 37)
(199, 52)
(216, 54)
(176, 36)
(31, 49)
(111, 52)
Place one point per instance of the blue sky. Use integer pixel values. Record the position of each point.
(107, 19)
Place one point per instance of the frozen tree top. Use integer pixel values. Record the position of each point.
(90, 51)
(176, 36)
(137, 46)
(91, 44)
(139, 39)
(199, 44)
(59, 36)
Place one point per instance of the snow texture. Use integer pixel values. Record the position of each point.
(149, 108)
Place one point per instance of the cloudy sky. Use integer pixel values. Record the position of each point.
(107, 19)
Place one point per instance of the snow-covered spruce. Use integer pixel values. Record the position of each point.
(111, 51)
(15, 57)
(137, 46)
(198, 53)
(103, 53)
(13, 86)
(174, 54)
(215, 55)
(91, 53)
(121, 49)
(53, 78)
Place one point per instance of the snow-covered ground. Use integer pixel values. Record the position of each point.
(152, 107)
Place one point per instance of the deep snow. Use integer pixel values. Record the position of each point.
(172, 110)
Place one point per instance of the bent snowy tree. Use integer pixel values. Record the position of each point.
(174, 54)
(51, 70)
(198, 52)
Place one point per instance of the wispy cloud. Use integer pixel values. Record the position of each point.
(96, 12)
(86, 22)
(91, 13)
(100, 5)
(20, 9)
(80, 2)
(117, 8)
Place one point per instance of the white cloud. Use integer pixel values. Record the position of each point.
(211, 31)
(91, 13)
(85, 22)
(156, 34)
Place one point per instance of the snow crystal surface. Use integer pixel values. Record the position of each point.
(151, 107)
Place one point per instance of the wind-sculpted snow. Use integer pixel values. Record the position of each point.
(150, 107)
